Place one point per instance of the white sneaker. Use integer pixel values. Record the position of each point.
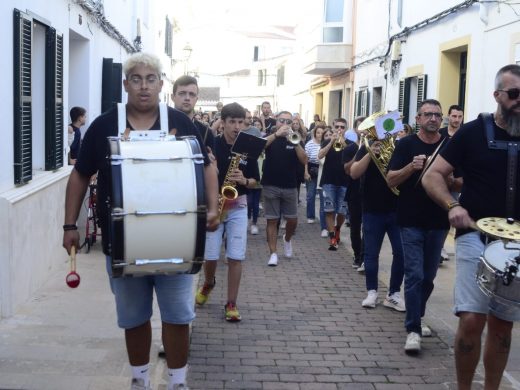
(426, 330)
(371, 300)
(273, 260)
(361, 268)
(413, 342)
(395, 302)
(444, 255)
(254, 229)
(283, 222)
(138, 384)
(310, 220)
(324, 233)
(287, 247)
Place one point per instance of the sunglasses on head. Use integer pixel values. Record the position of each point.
(512, 93)
(285, 121)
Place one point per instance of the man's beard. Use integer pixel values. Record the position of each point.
(512, 119)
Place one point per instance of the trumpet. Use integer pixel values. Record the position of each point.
(337, 146)
(294, 138)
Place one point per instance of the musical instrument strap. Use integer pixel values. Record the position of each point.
(512, 148)
(121, 117)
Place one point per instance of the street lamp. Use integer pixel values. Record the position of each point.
(187, 54)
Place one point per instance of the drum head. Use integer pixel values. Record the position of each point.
(498, 254)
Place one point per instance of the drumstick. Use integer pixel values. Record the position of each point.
(72, 279)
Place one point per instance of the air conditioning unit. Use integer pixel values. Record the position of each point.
(395, 51)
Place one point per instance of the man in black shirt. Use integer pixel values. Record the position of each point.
(242, 174)
(483, 195)
(334, 182)
(266, 116)
(279, 181)
(423, 224)
(379, 217)
(185, 96)
(134, 294)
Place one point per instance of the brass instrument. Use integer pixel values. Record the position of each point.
(381, 160)
(337, 146)
(228, 190)
(294, 138)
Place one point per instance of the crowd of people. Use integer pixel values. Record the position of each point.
(338, 165)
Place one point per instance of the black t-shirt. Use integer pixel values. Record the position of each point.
(377, 197)
(353, 186)
(280, 164)
(333, 171)
(414, 206)
(270, 126)
(94, 153)
(223, 154)
(485, 171)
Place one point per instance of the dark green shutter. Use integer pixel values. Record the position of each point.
(22, 36)
(54, 128)
(404, 99)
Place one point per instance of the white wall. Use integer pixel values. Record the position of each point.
(31, 215)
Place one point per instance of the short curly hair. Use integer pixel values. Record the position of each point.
(145, 59)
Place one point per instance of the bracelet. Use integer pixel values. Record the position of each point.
(68, 227)
(452, 204)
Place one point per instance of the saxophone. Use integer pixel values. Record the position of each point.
(228, 190)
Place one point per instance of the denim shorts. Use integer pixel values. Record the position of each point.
(334, 199)
(468, 295)
(235, 228)
(134, 298)
(280, 201)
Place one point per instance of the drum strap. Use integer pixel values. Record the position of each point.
(121, 117)
(512, 160)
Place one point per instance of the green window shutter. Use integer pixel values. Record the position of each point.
(54, 128)
(22, 47)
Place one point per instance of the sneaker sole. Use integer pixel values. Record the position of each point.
(233, 319)
(272, 265)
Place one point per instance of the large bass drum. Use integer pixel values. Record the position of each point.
(157, 207)
(496, 275)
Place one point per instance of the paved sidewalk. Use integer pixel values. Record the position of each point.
(303, 328)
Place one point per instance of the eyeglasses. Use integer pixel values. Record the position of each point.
(512, 93)
(285, 121)
(183, 94)
(339, 127)
(430, 115)
(136, 81)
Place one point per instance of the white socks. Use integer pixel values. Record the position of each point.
(142, 372)
(176, 376)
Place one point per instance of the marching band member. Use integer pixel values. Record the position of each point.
(279, 183)
(334, 182)
(423, 224)
(133, 295)
(483, 195)
(234, 223)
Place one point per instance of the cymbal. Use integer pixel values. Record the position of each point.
(500, 227)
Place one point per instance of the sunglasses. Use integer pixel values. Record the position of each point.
(512, 93)
(285, 121)
(339, 127)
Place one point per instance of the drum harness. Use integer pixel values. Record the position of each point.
(512, 148)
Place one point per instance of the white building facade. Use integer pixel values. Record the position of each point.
(446, 50)
(59, 54)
